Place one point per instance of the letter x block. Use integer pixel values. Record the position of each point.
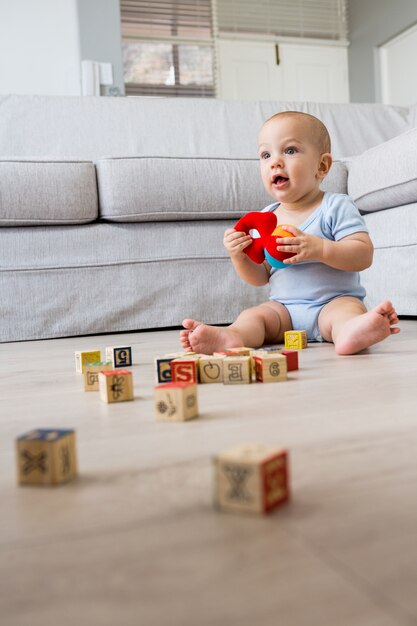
(176, 402)
(295, 339)
(270, 368)
(120, 357)
(46, 457)
(251, 478)
(116, 385)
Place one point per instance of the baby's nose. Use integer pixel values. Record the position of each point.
(276, 160)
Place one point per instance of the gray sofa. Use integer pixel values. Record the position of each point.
(112, 211)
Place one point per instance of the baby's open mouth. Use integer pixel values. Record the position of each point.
(279, 181)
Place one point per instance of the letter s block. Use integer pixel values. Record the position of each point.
(184, 370)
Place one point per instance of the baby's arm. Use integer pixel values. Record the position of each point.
(235, 243)
(353, 253)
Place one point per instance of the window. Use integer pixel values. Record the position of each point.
(168, 47)
(324, 19)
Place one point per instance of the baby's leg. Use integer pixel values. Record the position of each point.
(261, 324)
(352, 328)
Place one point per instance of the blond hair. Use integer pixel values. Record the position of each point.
(320, 133)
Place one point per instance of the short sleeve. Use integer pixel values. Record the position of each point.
(270, 207)
(342, 217)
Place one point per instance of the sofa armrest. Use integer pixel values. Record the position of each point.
(385, 176)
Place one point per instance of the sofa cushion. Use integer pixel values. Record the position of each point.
(336, 179)
(98, 277)
(143, 189)
(393, 271)
(95, 127)
(42, 192)
(385, 176)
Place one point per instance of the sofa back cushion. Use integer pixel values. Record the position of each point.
(144, 189)
(42, 192)
(385, 176)
(92, 128)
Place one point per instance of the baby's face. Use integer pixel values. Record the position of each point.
(290, 159)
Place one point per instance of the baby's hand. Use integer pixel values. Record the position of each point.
(306, 247)
(235, 242)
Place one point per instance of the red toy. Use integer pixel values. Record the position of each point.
(264, 246)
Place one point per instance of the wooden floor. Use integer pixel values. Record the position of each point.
(135, 539)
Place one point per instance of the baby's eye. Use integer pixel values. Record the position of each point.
(265, 155)
(290, 150)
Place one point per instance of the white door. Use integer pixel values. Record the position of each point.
(398, 69)
(315, 73)
(293, 72)
(249, 71)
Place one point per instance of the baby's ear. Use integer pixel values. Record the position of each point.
(326, 161)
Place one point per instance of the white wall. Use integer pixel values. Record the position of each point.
(372, 23)
(100, 35)
(39, 47)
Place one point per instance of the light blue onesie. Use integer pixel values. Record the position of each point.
(305, 287)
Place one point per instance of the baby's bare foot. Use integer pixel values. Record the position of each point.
(199, 337)
(367, 329)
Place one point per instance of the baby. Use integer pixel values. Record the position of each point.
(320, 291)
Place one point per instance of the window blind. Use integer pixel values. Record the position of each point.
(168, 47)
(325, 19)
(184, 19)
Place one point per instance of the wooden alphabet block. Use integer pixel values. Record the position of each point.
(292, 359)
(185, 369)
(237, 370)
(86, 356)
(116, 385)
(211, 369)
(46, 457)
(176, 402)
(240, 351)
(163, 369)
(119, 356)
(91, 372)
(251, 478)
(270, 368)
(295, 339)
(267, 350)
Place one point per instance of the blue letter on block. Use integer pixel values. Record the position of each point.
(163, 370)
